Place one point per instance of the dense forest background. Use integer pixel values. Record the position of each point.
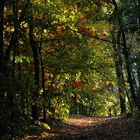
(60, 57)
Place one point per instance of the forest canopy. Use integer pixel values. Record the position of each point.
(60, 57)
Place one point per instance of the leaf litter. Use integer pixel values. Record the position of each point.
(92, 128)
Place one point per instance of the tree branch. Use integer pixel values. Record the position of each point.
(96, 37)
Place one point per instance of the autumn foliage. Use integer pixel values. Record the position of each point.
(77, 84)
(88, 31)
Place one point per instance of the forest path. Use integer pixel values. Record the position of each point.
(93, 128)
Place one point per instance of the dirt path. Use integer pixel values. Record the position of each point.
(92, 128)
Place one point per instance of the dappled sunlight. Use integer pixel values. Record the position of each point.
(88, 121)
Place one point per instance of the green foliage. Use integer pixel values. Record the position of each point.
(74, 56)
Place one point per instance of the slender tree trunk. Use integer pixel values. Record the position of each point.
(14, 38)
(36, 70)
(1, 33)
(128, 68)
(138, 63)
(14, 63)
(129, 101)
(42, 77)
(35, 56)
(19, 70)
(119, 72)
(16, 27)
(35, 51)
(43, 85)
(138, 73)
(121, 86)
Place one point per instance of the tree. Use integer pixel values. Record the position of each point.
(1, 33)
(126, 55)
(59, 57)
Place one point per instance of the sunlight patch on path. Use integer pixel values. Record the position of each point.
(88, 121)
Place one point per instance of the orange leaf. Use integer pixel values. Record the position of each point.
(103, 36)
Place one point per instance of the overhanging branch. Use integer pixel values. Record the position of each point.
(98, 38)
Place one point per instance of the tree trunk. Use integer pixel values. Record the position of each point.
(130, 79)
(138, 75)
(129, 101)
(43, 85)
(16, 27)
(14, 46)
(126, 55)
(36, 70)
(119, 72)
(19, 71)
(1, 33)
(121, 86)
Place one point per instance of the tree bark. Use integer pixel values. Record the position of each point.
(43, 84)
(130, 79)
(14, 40)
(36, 70)
(120, 76)
(138, 73)
(1, 33)
(16, 27)
(138, 63)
